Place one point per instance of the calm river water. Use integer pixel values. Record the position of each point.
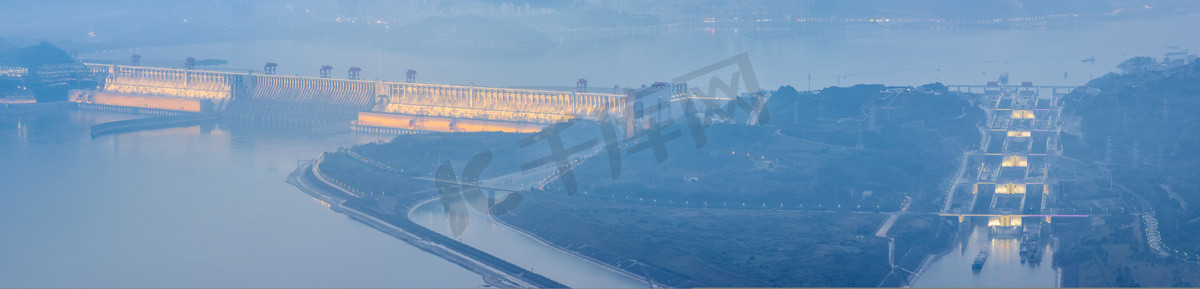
(900, 57)
(523, 250)
(1002, 269)
(186, 207)
(207, 206)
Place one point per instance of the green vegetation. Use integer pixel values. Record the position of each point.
(719, 247)
(418, 156)
(33, 56)
(1141, 126)
(1136, 128)
(1109, 251)
(51, 71)
(791, 203)
(809, 156)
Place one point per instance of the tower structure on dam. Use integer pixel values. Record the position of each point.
(649, 106)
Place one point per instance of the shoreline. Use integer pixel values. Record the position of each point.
(494, 271)
(22, 108)
(924, 265)
(933, 257)
(541, 240)
(579, 255)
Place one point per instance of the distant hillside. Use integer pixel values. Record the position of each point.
(843, 148)
(1137, 136)
(51, 71)
(33, 56)
(771, 205)
(787, 203)
(1143, 122)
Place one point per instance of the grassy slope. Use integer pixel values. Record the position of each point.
(764, 166)
(642, 212)
(1129, 109)
(718, 247)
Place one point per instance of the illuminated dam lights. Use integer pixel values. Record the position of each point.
(962, 217)
(1023, 114)
(139, 101)
(1019, 133)
(176, 83)
(441, 124)
(1004, 221)
(503, 104)
(382, 105)
(1010, 189)
(1015, 161)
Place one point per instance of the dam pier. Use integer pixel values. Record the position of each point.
(351, 104)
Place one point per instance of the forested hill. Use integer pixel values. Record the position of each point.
(1148, 111)
(1141, 124)
(41, 54)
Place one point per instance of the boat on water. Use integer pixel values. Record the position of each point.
(979, 260)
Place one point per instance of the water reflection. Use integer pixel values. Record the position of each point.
(1002, 269)
(523, 250)
(202, 206)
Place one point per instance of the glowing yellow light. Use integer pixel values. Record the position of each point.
(177, 83)
(1015, 161)
(1022, 114)
(1010, 189)
(1004, 221)
(441, 124)
(502, 104)
(125, 100)
(1018, 133)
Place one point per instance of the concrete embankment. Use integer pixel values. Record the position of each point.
(151, 123)
(592, 257)
(19, 108)
(495, 271)
(629, 267)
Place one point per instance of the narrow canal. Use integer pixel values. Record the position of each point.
(1002, 269)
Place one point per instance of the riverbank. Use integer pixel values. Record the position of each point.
(1003, 268)
(543, 240)
(495, 272)
(19, 108)
(919, 241)
(960, 239)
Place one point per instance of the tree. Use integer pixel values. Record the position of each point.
(1139, 64)
(936, 87)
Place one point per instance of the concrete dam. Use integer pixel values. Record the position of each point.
(363, 105)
